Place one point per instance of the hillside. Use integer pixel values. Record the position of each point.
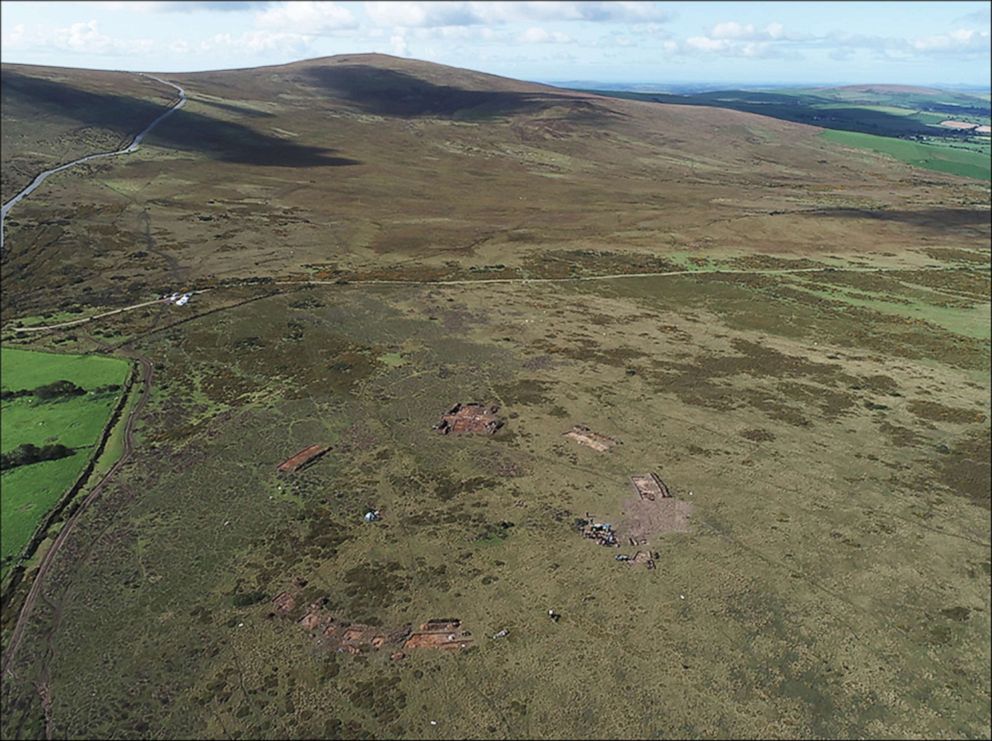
(365, 162)
(52, 115)
(495, 410)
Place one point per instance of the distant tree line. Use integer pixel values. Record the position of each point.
(26, 454)
(55, 390)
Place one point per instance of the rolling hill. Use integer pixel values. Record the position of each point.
(787, 334)
(363, 161)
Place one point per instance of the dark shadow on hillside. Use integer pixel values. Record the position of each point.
(386, 92)
(800, 109)
(184, 130)
(232, 108)
(935, 218)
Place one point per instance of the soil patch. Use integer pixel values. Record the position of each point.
(308, 455)
(584, 436)
(642, 518)
(470, 418)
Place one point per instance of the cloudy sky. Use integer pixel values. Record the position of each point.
(742, 42)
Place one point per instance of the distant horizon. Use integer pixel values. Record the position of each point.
(590, 84)
(761, 43)
(739, 84)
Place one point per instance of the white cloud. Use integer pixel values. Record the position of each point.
(83, 37)
(258, 42)
(399, 46)
(745, 40)
(724, 47)
(306, 17)
(742, 40)
(15, 36)
(150, 6)
(733, 30)
(706, 44)
(959, 41)
(418, 14)
(428, 14)
(536, 35)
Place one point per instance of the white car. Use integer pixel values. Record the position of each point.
(184, 299)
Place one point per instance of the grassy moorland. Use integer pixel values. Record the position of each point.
(363, 163)
(827, 431)
(29, 491)
(47, 122)
(903, 122)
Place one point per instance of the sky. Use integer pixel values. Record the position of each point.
(917, 43)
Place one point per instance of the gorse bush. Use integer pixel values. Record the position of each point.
(54, 390)
(29, 453)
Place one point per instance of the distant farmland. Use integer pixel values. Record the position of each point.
(29, 491)
(966, 162)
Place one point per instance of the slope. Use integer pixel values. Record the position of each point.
(52, 115)
(369, 163)
(812, 384)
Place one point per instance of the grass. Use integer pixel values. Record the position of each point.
(771, 572)
(882, 120)
(27, 369)
(967, 320)
(30, 491)
(816, 429)
(973, 164)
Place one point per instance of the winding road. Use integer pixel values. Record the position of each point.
(146, 381)
(132, 147)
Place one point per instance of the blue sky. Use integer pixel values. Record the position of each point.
(922, 43)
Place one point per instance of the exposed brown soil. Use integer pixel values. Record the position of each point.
(443, 634)
(356, 638)
(584, 436)
(648, 486)
(470, 418)
(642, 518)
(283, 603)
(302, 458)
(642, 557)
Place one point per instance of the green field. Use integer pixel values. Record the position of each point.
(968, 163)
(28, 492)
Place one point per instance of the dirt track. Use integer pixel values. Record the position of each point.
(482, 281)
(147, 372)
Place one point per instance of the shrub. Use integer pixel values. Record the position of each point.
(244, 599)
(29, 453)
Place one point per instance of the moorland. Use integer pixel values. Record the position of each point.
(792, 333)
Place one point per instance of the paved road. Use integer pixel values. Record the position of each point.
(132, 147)
(46, 562)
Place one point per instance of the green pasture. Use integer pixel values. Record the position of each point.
(967, 163)
(28, 492)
